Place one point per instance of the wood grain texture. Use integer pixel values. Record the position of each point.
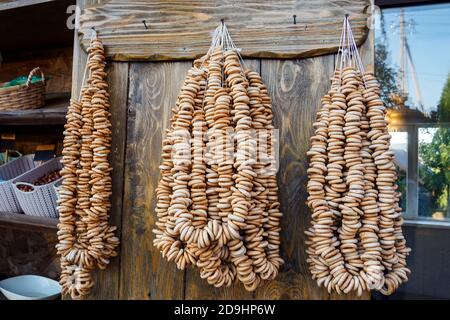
(107, 281)
(79, 59)
(197, 288)
(296, 87)
(182, 30)
(367, 49)
(152, 92)
(80, 55)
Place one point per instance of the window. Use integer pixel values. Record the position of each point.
(412, 63)
(413, 66)
(434, 173)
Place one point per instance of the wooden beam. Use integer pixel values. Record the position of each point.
(25, 222)
(262, 29)
(107, 281)
(153, 88)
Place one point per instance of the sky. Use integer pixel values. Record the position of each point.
(429, 42)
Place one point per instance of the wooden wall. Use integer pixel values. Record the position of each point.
(141, 97)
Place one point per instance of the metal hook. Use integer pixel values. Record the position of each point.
(295, 18)
(94, 33)
(145, 24)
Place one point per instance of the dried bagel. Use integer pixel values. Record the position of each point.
(217, 205)
(85, 238)
(355, 242)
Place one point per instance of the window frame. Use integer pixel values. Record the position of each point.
(423, 126)
(411, 212)
(405, 3)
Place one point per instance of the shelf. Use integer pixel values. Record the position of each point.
(29, 223)
(53, 113)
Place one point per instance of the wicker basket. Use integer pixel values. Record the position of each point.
(8, 172)
(24, 96)
(41, 201)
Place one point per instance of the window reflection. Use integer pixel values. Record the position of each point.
(434, 173)
(413, 67)
(411, 56)
(412, 63)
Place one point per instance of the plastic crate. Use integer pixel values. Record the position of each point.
(42, 200)
(8, 172)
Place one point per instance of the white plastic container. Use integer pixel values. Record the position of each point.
(8, 172)
(42, 200)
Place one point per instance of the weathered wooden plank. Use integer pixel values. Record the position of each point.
(107, 281)
(153, 90)
(29, 223)
(181, 30)
(197, 288)
(80, 55)
(367, 50)
(79, 59)
(296, 87)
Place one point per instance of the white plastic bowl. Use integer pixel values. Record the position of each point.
(30, 287)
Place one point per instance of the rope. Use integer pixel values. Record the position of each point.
(348, 54)
(93, 37)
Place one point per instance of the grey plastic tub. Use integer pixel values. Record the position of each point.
(41, 201)
(8, 172)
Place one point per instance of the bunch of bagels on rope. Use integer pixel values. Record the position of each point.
(217, 205)
(355, 241)
(85, 238)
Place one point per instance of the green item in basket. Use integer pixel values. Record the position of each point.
(21, 80)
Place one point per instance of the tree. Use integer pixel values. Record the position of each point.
(435, 169)
(443, 108)
(385, 73)
(435, 156)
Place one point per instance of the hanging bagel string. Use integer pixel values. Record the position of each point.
(217, 204)
(85, 239)
(355, 242)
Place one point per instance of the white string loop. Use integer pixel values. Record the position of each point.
(348, 53)
(93, 36)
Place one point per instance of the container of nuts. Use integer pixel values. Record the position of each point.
(35, 189)
(8, 172)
